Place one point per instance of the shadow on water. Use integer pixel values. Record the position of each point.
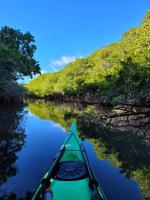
(120, 135)
(12, 138)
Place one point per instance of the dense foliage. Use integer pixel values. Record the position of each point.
(119, 72)
(16, 59)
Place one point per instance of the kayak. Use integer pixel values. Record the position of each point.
(70, 177)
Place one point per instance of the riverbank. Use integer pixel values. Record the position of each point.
(139, 99)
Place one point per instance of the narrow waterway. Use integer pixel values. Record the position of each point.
(117, 142)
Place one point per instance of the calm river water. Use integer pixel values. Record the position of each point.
(117, 143)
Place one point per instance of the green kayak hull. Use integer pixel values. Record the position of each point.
(71, 189)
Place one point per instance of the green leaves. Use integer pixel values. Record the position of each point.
(20, 50)
(16, 59)
(117, 70)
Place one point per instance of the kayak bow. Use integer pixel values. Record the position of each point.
(70, 176)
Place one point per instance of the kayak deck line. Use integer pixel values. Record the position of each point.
(70, 177)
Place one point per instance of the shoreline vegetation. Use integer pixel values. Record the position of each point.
(87, 101)
(118, 74)
(16, 62)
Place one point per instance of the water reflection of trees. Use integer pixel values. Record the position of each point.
(12, 138)
(59, 113)
(121, 135)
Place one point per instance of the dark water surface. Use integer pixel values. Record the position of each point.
(117, 143)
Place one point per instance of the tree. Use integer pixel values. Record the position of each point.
(20, 49)
(117, 73)
(16, 58)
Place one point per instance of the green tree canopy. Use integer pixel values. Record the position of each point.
(117, 72)
(18, 48)
(16, 59)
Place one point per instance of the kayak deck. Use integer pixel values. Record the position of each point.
(76, 189)
(70, 176)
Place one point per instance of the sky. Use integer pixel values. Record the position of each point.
(65, 30)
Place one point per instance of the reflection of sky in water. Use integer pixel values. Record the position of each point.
(42, 142)
(43, 139)
(116, 185)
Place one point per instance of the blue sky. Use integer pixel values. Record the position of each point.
(67, 29)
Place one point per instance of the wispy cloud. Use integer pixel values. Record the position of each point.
(44, 71)
(62, 61)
